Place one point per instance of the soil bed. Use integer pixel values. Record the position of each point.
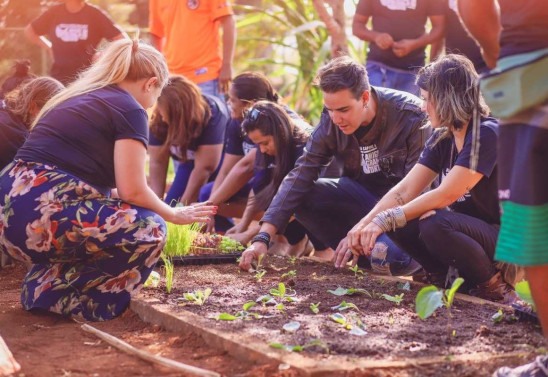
(394, 332)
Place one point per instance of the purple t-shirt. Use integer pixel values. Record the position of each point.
(74, 37)
(482, 201)
(78, 135)
(402, 19)
(524, 26)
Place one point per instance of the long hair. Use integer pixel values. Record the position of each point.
(254, 86)
(343, 73)
(453, 89)
(121, 60)
(272, 120)
(187, 112)
(34, 92)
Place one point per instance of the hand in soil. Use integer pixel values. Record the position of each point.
(194, 213)
(252, 254)
(8, 365)
(344, 253)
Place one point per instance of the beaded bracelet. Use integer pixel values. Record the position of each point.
(263, 237)
(390, 220)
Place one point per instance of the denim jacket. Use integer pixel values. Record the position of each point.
(397, 131)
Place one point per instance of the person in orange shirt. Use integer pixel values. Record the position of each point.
(187, 32)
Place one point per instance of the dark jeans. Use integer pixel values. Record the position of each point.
(451, 239)
(334, 206)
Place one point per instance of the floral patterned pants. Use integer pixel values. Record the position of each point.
(88, 252)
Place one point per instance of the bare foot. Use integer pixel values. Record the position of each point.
(8, 365)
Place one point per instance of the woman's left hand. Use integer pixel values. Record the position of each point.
(362, 237)
(194, 213)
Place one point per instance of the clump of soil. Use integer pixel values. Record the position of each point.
(393, 332)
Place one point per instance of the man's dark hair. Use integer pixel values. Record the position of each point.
(343, 73)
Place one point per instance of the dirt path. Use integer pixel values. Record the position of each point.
(48, 345)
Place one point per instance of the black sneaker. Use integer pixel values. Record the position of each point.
(538, 368)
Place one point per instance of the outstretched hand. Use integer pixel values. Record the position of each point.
(194, 213)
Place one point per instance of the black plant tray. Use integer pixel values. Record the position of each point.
(525, 313)
(207, 259)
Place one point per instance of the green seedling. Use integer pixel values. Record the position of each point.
(179, 239)
(168, 272)
(404, 286)
(266, 300)
(259, 275)
(299, 348)
(292, 260)
(280, 307)
(153, 280)
(349, 292)
(498, 316)
(357, 272)
(345, 306)
(352, 323)
(396, 298)
(341, 320)
(283, 294)
(289, 275)
(243, 314)
(314, 308)
(198, 297)
(524, 292)
(291, 327)
(431, 298)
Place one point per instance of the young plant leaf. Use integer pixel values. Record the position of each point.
(339, 291)
(397, 298)
(450, 293)
(226, 317)
(248, 305)
(314, 308)
(344, 306)
(339, 318)
(289, 274)
(405, 286)
(498, 316)
(357, 331)
(427, 301)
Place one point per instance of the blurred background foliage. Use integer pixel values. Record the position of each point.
(282, 38)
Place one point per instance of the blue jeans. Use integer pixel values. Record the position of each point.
(211, 87)
(334, 206)
(382, 75)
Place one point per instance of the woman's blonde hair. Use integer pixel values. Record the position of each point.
(187, 111)
(36, 91)
(121, 60)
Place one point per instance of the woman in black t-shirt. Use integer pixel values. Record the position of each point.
(88, 251)
(458, 221)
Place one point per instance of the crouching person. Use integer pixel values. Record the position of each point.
(90, 252)
(456, 224)
(378, 134)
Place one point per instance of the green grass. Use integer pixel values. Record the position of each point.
(179, 239)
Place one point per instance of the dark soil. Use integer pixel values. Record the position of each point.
(394, 332)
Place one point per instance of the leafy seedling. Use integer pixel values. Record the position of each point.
(289, 275)
(266, 300)
(349, 292)
(344, 306)
(314, 308)
(168, 272)
(341, 320)
(352, 323)
(431, 298)
(404, 286)
(299, 348)
(280, 307)
(396, 298)
(358, 273)
(291, 327)
(243, 314)
(498, 316)
(198, 297)
(153, 280)
(283, 293)
(292, 260)
(259, 275)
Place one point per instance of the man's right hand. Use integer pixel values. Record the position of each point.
(384, 41)
(255, 251)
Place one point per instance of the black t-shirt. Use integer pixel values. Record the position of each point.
(457, 40)
(12, 135)
(74, 37)
(402, 19)
(524, 26)
(78, 135)
(212, 134)
(482, 201)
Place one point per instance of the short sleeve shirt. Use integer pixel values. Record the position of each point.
(190, 29)
(212, 134)
(482, 201)
(402, 19)
(524, 26)
(78, 135)
(74, 37)
(12, 135)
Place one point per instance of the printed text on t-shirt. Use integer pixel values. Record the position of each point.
(370, 159)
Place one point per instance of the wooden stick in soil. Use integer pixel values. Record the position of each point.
(127, 348)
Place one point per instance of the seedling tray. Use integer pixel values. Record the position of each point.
(206, 259)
